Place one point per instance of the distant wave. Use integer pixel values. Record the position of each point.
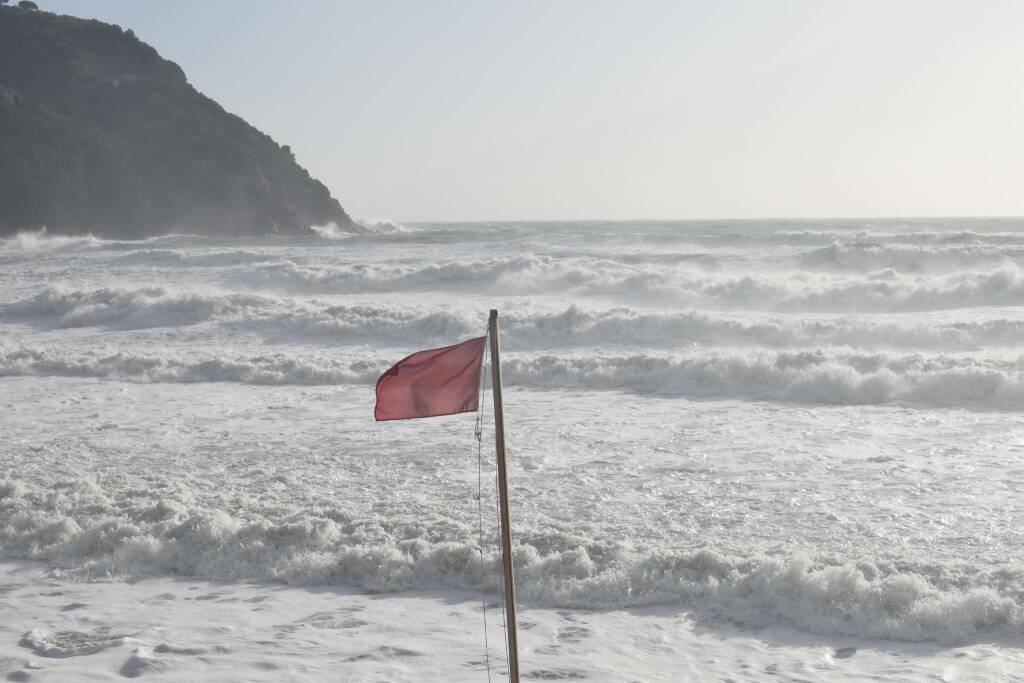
(384, 226)
(576, 326)
(38, 240)
(41, 241)
(882, 291)
(128, 308)
(168, 258)
(331, 231)
(908, 237)
(148, 307)
(730, 234)
(814, 377)
(871, 256)
(291, 277)
(801, 377)
(178, 366)
(284, 319)
(104, 528)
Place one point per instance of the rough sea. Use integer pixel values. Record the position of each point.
(744, 428)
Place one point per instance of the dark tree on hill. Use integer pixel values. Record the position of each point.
(99, 134)
(28, 4)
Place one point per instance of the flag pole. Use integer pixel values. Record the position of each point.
(506, 532)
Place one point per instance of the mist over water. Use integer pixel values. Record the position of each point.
(817, 423)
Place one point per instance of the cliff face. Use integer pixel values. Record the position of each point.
(100, 134)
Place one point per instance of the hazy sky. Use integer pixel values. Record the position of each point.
(504, 110)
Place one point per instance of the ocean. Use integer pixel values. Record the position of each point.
(795, 443)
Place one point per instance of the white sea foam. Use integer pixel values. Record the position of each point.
(84, 525)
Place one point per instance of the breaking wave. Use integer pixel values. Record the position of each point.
(871, 256)
(384, 226)
(148, 307)
(814, 377)
(41, 240)
(800, 377)
(293, 278)
(924, 237)
(127, 308)
(882, 291)
(575, 326)
(176, 366)
(331, 231)
(782, 233)
(103, 531)
(167, 258)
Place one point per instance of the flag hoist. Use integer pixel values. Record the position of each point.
(446, 381)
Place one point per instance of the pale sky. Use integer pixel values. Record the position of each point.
(483, 109)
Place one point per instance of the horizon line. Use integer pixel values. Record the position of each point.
(690, 220)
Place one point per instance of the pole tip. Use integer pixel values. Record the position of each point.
(494, 314)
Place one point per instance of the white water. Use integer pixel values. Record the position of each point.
(808, 425)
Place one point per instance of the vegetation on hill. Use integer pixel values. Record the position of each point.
(100, 134)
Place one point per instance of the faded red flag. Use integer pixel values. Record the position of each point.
(433, 382)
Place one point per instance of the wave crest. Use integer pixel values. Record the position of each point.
(801, 377)
(81, 523)
(883, 290)
(572, 327)
(170, 366)
(128, 308)
(42, 240)
(814, 377)
(872, 256)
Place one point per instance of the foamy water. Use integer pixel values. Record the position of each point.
(811, 424)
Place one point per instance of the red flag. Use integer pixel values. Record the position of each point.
(433, 382)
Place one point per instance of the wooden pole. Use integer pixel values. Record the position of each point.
(506, 531)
